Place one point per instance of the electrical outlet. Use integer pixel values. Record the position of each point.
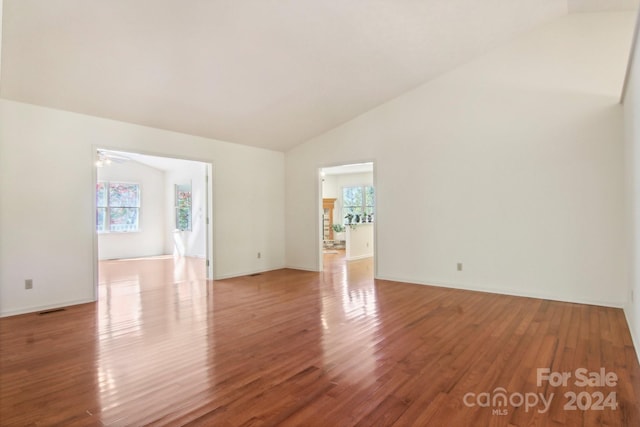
(259, 255)
(28, 284)
(459, 266)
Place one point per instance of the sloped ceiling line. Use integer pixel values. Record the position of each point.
(267, 73)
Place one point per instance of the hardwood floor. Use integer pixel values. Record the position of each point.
(165, 347)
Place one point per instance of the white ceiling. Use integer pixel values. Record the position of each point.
(268, 73)
(162, 163)
(601, 5)
(348, 169)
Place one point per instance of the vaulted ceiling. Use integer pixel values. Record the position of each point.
(267, 73)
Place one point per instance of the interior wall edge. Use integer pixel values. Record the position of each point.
(247, 273)
(634, 340)
(506, 291)
(36, 309)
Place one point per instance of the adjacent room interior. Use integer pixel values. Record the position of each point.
(348, 211)
(151, 213)
(316, 213)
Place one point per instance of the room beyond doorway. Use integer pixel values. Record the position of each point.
(148, 206)
(348, 211)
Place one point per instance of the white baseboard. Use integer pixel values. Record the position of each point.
(355, 258)
(199, 256)
(634, 339)
(27, 310)
(505, 291)
(294, 267)
(245, 273)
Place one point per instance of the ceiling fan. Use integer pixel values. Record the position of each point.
(105, 158)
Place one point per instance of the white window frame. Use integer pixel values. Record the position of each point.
(107, 209)
(365, 208)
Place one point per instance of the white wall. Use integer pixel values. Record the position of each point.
(187, 243)
(1, 9)
(48, 228)
(150, 239)
(511, 164)
(632, 168)
(330, 187)
(599, 5)
(359, 242)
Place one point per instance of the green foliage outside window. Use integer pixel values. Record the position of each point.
(359, 201)
(117, 207)
(183, 207)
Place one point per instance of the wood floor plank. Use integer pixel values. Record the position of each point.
(164, 346)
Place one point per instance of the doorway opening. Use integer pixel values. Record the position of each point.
(153, 210)
(348, 212)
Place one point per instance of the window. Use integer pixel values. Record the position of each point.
(118, 207)
(358, 200)
(183, 207)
